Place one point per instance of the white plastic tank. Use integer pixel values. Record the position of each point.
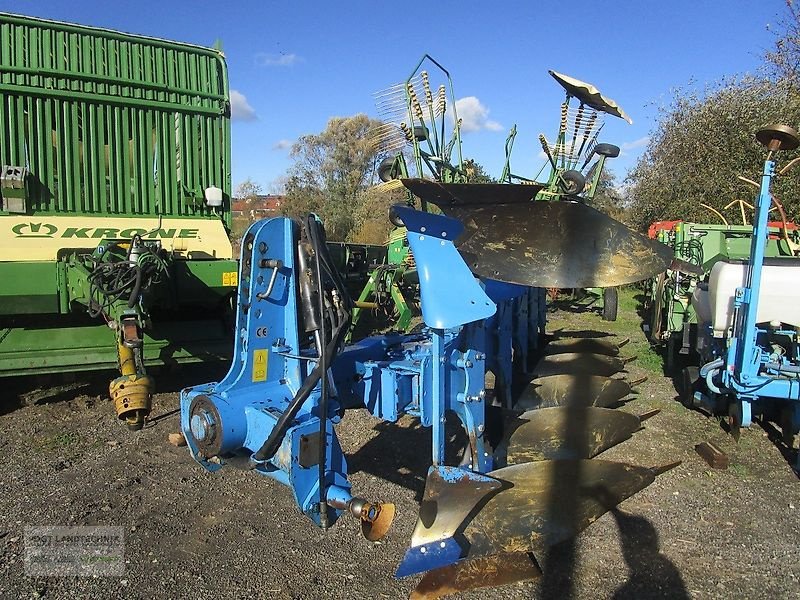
(779, 298)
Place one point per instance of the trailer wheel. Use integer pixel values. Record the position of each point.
(610, 303)
(690, 376)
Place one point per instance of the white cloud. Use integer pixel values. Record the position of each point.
(282, 145)
(277, 60)
(474, 115)
(240, 108)
(643, 141)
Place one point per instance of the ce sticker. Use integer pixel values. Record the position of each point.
(262, 332)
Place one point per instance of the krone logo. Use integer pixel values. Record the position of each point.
(34, 230)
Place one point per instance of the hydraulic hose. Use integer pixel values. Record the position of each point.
(331, 346)
(323, 397)
(137, 286)
(708, 370)
(794, 369)
(714, 364)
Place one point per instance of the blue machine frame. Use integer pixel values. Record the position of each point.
(472, 327)
(746, 375)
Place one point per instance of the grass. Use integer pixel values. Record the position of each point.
(739, 470)
(629, 324)
(63, 440)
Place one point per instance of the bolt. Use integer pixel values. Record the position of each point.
(442, 544)
(468, 364)
(202, 425)
(423, 549)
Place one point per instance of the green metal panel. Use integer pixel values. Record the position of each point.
(28, 288)
(203, 282)
(49, 347)
(704, 245)
(111, 123)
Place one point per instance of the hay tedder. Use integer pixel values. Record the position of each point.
(747, 319)
(526, 479)
(421, 128)
(115, 182)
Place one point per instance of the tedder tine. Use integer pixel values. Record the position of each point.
(544, 503)
(573, 390)
(567, 433)
(482, 572)
(563, 244)
(575, 363)
(592, 346)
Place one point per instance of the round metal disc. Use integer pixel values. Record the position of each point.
(778, 137)
(565, 244)
(590, 345)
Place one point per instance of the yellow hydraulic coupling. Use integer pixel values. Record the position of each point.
(132, 391)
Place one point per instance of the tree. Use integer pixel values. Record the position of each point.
(704, 141)
(247, 190)
(783, 61)
(607, 197)
(476, 173)
(331, 172)
(701, 145)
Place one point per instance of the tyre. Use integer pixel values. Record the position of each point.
(572, 182)
(690, 377)
(610, 304)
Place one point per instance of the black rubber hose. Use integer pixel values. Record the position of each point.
(137, 286)
(323, 397)
(273, 442)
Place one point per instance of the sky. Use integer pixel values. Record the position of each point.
(293, 64)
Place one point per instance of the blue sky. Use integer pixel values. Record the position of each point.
(295, 64)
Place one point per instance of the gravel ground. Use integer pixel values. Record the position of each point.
(695, 532)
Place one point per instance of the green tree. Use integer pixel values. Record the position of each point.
(475, 173)
(703, 142)
(607, 197)
(331, 172)
(783, 60)
(701, 145)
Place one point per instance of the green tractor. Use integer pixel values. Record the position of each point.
(114, 205)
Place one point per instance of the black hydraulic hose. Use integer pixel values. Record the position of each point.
(273, 442)
(323, 363)
(137, 286)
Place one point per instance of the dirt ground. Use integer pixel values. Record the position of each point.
(696, 532)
